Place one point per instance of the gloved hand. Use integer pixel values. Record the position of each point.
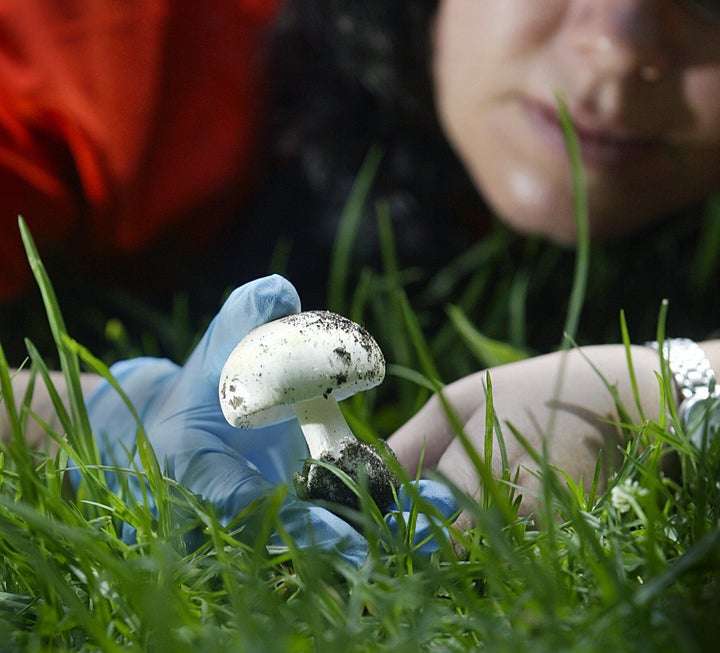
(229, 468)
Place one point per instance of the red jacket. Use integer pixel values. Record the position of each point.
(121, 119)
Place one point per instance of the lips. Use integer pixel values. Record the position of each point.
(601, 143)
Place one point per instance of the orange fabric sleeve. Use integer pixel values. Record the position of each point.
(122, 119)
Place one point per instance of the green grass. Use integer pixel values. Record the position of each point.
(633, 568)
(636, 568)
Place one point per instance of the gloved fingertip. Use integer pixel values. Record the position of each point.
(426, 538)
(253, 304)
(247, 307)
(434, 492)
(312, 526)
(260, 301)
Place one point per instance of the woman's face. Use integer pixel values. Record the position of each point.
(641, 80)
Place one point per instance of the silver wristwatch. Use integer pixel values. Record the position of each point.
(694, 376)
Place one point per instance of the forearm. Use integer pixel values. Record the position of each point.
(42, 410)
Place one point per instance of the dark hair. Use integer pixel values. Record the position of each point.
(347, 74)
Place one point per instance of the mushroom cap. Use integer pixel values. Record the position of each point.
(294, 359)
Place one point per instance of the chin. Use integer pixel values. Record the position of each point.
(534, 205)
(530, 204)
(557, 226)
(556, 221)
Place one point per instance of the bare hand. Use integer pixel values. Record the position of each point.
(557, 398)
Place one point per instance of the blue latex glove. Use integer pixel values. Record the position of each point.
(228, 467)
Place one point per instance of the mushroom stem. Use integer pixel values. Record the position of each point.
(323, 425)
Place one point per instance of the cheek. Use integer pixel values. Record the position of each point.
(486, 54)
(511, 24)
(480, 43)
(702, 95)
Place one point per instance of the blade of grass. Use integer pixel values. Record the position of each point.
(16, 448)
(42, 538)
(582, 223)
(57, 402)
(489, 425)
(625, 334)
(706, 549)
(350, 220)
(707, 260)
(81, 434)
(572, 319)
(391, 269)
(666, 375)
(7, 395)
(430, 371)
(488, 351)
(150, 465)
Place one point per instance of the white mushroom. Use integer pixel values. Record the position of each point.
(301, 366)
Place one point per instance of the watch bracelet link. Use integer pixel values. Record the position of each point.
(691, 371)
(690, 368)
(699, 410)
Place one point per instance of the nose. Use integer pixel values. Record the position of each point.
(621, 38)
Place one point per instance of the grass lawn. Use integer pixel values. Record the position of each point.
(635, 567)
